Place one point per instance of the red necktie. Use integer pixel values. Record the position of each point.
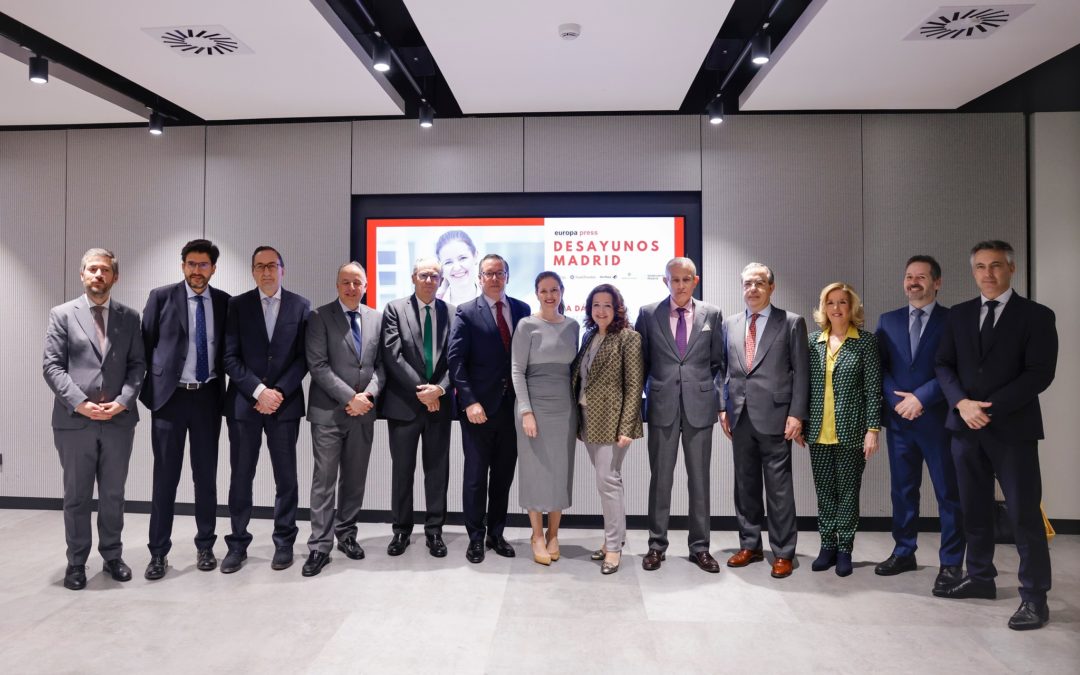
(751, 342)
(504, 330)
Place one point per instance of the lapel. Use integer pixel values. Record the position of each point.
(933, 325)
(342, 321)
(970, 323)
(86, 322)
(416, 333)
(180, 303)
(481, 307)
(776, 322)
(737, 340)
(1008, 314)
(280, 314)
(695, 331)
(112, 332)
(369, 330)
(606, 349)
(662, 317)
(442, 315)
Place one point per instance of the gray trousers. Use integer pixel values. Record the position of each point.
(348, 447)
(697, 454)
(763, 460)
(607, 460)
(99, 452)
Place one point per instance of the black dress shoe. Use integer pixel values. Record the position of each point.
(117, 569)
(652, 559)
(705, 561)
(233, 561)
(155, 569)
(75, 577)
(315, 562)
(351, 549)
(825, 559)
(1030, 615)
(896, 564)
(436, 546)
(283, 558)
(205, 560)
(500, 546)
(968, 588)
(398, 544)
(948, 575)
(475, 552)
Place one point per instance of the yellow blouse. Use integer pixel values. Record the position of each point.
(828, 416)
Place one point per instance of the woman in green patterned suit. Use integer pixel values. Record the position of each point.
(845, 411)
(607, 378)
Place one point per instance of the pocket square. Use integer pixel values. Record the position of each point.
(706, 328)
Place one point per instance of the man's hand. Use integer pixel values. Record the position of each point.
(909, 406)
(429, 393)
(792, 429)
(724, 424)
(475, 413)
(974, 413)
(269, 399)
(528, 425)
(360, 404)
(111, 409)
(870, 444)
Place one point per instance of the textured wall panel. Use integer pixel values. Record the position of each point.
(459, 155)
(641, 152)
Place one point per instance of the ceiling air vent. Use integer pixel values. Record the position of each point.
(966, 22)
(198, 40)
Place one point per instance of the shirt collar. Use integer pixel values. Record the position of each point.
(852, 333)
(928, 310)
(263, 296)
(421, 304)
(491, 303)
(1002, 299)
(107, 304)
(675, 308)
(192, 294)
(763, 314)
(345, 308)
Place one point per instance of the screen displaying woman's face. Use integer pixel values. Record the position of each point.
(458, 262)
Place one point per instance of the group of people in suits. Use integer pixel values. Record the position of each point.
(955, 389)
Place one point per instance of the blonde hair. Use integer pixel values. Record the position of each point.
(822, 318)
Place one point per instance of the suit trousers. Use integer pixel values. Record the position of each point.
(763, 461)
(607, 461)
(195, 416)
(663, 444)
(907, 452)
(245, 442)
(837, 480)
(490, 458)
(432, 431)
(979, 457)
(346, 447)
(99, 452)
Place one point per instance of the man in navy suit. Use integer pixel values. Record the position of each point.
(997, 354)
(915, 413)
(266, 363)
(183, 329)
(479, 360)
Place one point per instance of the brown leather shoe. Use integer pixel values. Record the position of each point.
(781, 568)
(705, 561)
(744, 557)
(652, 560)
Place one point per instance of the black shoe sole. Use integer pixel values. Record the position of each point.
(154, 576)
(74, 587)
(308, 572)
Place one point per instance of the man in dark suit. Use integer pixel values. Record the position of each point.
(766, 398)
(417, 403)
(265, 361)
(183, 329)
(915, 412)
(94, 364)
(479, 361)
(346, 378)
(683, 343)
(998, 353)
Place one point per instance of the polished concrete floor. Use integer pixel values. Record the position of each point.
(419, 614)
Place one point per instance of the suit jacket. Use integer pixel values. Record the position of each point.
(1019, 365)
(777, 384)
(251, 359)
(613, 392)
(690, 381)
(77, 371)
(403, 358)
(165, 334)
(479, 364)
(336, 373)
(903, 373)
(856, 388)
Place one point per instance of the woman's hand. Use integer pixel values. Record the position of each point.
(528, 424)
(624, 441)
(870, 444)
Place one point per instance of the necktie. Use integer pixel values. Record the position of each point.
(99, 324)
(915, 332)
(504, 330)
(751, 342)
(269, 316)
(429, 345)
(354, 320)
(680, 332)
(987, 332)
(202, 354)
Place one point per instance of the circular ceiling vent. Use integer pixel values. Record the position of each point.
(198, 40)
(966, 22)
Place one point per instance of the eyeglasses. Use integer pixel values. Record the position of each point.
(201, 266)
(428, 276)
(268, 267)
(493, 275)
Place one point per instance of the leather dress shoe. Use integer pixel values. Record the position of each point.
(500, 546)
(117, 569)
(475, 552)
(398, 544)
(315, 562)
(351, 548)
(436, 545)
(895, 564)
(781, 568)
(744, 557)
(283, 558)
(705, 561)
(844, 567)
(75, 577)
(948, 575)
(1030, 615)
(826, 558)
(233, 561)
(968, 588)
(205, 560)
(155, 569)
(652, 559)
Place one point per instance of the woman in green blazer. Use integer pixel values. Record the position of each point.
(845, 413)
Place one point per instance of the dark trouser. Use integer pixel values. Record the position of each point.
(99, 452)
(763, 461)
(196, 415)
(432, 430)
(663, 445)
(907, 452)
(979, 457)
(490, 459)
(345, 447)
(245, 441)
(837, 479)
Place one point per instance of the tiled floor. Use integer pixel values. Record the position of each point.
(419, 614)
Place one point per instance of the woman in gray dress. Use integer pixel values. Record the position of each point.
(543, 347)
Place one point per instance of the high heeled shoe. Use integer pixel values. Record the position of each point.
(541, 558)
(610, 568)
(554, 554)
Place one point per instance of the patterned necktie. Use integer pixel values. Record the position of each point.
(99, 325)
(202, 354)
(429, 345)
(987, 332)
(915, 332)
(680, 332)
(751, 342)
(504, 330)
(354, 320)
(269, 316)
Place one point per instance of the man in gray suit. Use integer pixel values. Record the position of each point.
(94, 364)
(766, 398)
(346, 375)
(683, 343)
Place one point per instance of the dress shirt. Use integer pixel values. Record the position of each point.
(927, 311)
(435, 346)
(1002, 299)
(759, 327)
(674, 318)
(105, 314)
(277, 310)
(187, 375)
(505, 310)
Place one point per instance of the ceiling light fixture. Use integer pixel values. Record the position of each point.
(715, 110)
(381, 56)
(157, 123)
(427, 116)
(761, 49)
(39, 69)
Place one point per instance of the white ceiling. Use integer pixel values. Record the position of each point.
(506, 56)
(852, 55)
(26, 103)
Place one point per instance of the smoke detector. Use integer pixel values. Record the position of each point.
(966, 22)
(198, 40)
(569, 31)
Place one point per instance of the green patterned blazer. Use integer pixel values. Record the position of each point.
(856, 388)
(613, 392)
